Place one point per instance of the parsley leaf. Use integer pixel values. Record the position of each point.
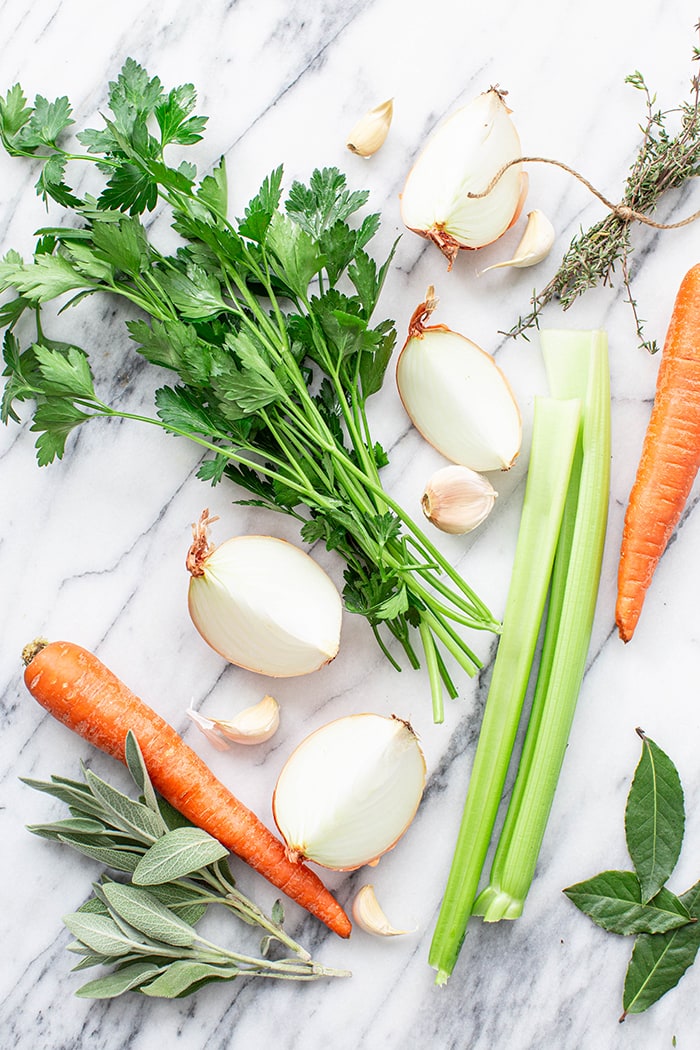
(213, 189)
(182, 410)
(298, 257)
(172, 117)
(130, 188)
(64, 372)
(46, 278)
(195, 293)
(51, 183)
(325, 201)
(54, 419)
(47, 121)
(123, 244)
(262, 208)
(14, 114)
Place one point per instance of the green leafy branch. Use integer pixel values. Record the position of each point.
(665, 926)
(265, 321)
(146, 928)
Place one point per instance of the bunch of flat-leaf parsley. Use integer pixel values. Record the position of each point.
(266, 323)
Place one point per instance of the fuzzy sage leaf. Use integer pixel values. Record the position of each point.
(122, 980)
(148, 915)
(148, 936)
(177, 853)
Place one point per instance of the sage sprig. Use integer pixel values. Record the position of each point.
(145, 928)
(638, 902)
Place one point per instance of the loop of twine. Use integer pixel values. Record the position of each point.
(621, 211)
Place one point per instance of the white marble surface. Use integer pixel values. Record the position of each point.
(92, 548)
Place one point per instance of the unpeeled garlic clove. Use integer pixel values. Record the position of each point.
(535, 244)
(253, 725)
(371, 130)
(369, 916)
(457, 499)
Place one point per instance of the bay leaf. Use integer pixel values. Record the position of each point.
(659, 961)
(613, 900)
(654, 818)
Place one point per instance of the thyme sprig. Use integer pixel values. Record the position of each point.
(666, 160)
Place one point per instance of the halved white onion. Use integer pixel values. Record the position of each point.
(349, 791)
(263, 603)
(462, 157)
(457, 396)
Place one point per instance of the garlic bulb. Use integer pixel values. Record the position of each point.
(253, 725)
(371, 130)
(535, 244)
(457, 499)
(457, 396)
(460, 158)
(369, 916)
(349, 791)
(263, 603)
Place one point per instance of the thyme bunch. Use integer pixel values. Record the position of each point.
(666, 160)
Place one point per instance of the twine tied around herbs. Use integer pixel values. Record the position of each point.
(621, 211)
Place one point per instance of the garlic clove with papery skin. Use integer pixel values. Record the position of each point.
(535, 244)
(368, 915)
(458, 499)
(349, 791)
(456, 395)
(253, 725)
(371, 130)
(461, 158)
(263, 603)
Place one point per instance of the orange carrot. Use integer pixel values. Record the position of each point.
(78, 690)
(670, 457)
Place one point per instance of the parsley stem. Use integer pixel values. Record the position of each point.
(433, 671)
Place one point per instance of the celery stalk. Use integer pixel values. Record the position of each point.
(576, 364)
(555, 431)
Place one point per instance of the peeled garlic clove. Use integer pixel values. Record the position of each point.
(457, 499)
(349, 791)
(371, 130)
(535, 245)
(369, 916)
(262, 603)
(253, 725)
(462, 157)
(457, 396)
